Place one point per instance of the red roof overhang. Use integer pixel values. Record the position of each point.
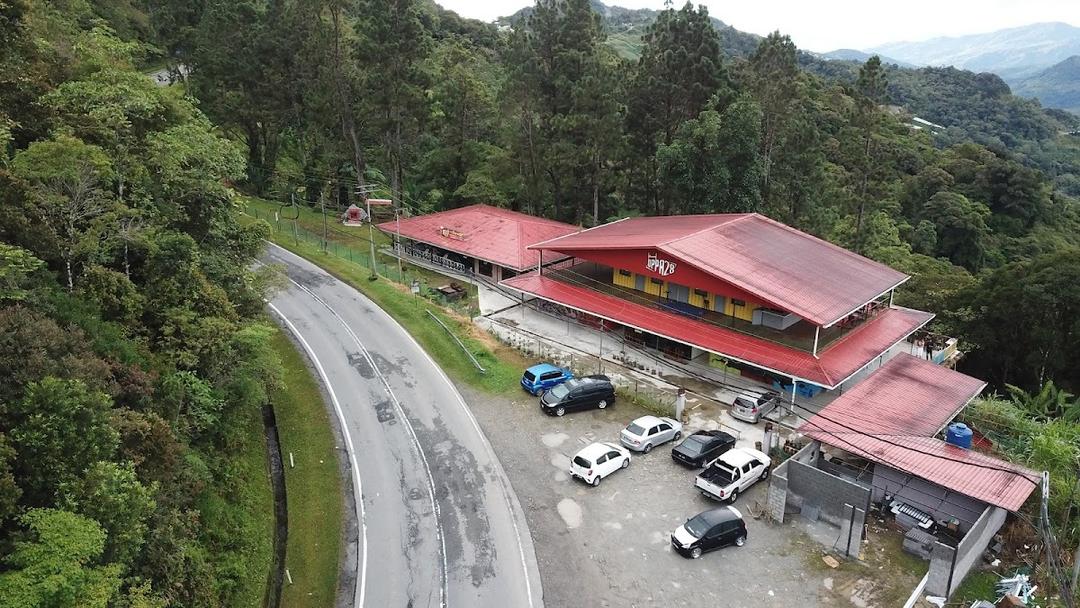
(842, 359)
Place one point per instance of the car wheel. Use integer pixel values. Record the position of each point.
(602, 404)
(765, 474)
(695, 553)
(559, 411)
(740, 541)
(647, 448)
(596, 481)
(678, 436)
(625, 462)
(734, 495)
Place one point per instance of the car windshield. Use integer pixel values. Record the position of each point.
(581, 462)
(693, 443)
(697, 526)
(560, 391)
(635, 429)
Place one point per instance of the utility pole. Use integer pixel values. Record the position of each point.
(371, 237)
(397, 242)
(322, 203)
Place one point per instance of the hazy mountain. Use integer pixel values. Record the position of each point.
(861, 57)
(1058, 86)
(626, 26)
(1009, 53)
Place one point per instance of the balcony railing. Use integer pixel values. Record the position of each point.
(431, 257)
(596, 277)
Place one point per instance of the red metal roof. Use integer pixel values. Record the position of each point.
(812, 278)
(891, 417)
(492, 234)
(835, 364)
(906, 396)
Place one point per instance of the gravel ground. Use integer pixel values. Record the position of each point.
(610, 545)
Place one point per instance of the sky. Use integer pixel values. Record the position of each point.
(826, 25)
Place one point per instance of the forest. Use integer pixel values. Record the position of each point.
(135, 356)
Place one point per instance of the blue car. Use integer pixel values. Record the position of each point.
(540, 378)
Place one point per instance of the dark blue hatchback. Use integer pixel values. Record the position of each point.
(542, 377)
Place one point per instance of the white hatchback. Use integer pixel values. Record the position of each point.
(647, 432)
(598, 460)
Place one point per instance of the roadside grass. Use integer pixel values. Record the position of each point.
(503, 364)
(313, 487)
(243, 509)
(351, 243)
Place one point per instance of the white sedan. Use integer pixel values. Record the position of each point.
(647, 432)
(598, 460)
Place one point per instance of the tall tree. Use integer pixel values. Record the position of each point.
(870, 92)
(393, 44)
(774, 79)
(679, 71)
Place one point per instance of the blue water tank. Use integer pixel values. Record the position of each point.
(959, 435)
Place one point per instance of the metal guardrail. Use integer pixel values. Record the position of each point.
(458, 340)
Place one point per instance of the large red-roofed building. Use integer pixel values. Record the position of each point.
(776, 302)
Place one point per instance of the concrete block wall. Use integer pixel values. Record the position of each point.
(777, 496)
(967, 553)
(829, 492)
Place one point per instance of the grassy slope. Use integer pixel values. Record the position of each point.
(313, 487)
(249, 505)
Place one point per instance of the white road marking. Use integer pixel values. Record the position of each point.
(358, 492)
(487, 444)
(412, 433)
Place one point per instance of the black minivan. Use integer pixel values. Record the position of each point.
(709, 530)
(578, 394)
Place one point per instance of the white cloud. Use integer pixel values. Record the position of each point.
(824, 25)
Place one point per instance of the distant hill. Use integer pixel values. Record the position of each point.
(625, 27)
(861, 57)
(1058, 86)
(1010, 53)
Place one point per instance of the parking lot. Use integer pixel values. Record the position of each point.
(610, 545)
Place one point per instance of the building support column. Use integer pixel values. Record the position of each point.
(817, 331)
(540, 263)
(793, 387)
(891, 292)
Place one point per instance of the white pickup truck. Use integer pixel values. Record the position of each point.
(732, 473)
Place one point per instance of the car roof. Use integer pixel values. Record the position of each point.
(543, 368)
(720, 514)
(740, 456)
(714, 434)
(648, 421)
(594, 450)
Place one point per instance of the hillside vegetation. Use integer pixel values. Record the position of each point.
(132, 361)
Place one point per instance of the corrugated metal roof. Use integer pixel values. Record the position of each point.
(812, 278)
(496, 235)
(891, 417)
(840, 360)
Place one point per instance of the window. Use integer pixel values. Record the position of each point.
(654, 430)
(612, 455)
(746, 467)
(701, 293)
(550, 375)
(581, 462)
(735, 302)
(602, 459)
(665, 427)
(625, 273)
(656, 281)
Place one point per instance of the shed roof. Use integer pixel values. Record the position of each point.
(815, 279)
(891, 418)
(492, 234)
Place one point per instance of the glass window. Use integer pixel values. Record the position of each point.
(581, 462)
(612, 455)
(746, 467)
(654, 430)
(635, 429)
(550, 375)
(702, 293)
(602, 459)
(665, 427)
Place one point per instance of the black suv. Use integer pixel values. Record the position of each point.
(579, 394)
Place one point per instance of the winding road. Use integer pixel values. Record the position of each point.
(437, 521)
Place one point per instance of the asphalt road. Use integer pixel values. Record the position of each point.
(437, 521)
